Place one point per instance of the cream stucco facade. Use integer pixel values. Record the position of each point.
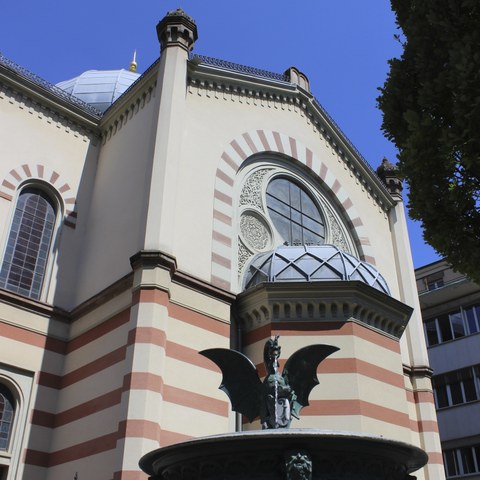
(160, 205)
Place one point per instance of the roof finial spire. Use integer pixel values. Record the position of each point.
(133, 63)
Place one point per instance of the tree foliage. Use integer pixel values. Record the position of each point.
(431, 112)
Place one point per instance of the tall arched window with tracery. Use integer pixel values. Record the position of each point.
(26, 255)
(7, 410)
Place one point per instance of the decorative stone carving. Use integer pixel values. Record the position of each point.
(255, 231)
(243, 256)
(337, 236)
(252, 190)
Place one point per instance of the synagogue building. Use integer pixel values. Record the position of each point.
(202, 204)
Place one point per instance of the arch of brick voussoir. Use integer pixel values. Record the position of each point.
(237, 151)
(25, 172)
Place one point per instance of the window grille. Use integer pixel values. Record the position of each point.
(295, 215)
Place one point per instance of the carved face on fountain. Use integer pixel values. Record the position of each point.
(298, 466)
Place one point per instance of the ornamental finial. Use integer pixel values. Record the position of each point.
(133, 63)
(389, 175)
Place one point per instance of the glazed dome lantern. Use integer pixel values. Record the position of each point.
(317, 283)
(314, 263)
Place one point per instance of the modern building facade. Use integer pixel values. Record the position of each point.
(210, 205)
(451, 312)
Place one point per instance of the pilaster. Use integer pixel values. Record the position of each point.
(140, 425)
(414, 336)
(414, 349)
(177, 33)
(172, 317)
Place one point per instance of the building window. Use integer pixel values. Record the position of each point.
(472, 315)
(278, 204)
(457, 387)
(453, 325)
(462, 461)
(294, 214)
(434, 281)
(6, 416)
(25, 260)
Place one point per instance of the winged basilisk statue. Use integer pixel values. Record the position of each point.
(279, 396)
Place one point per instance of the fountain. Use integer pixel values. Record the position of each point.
(278, 451)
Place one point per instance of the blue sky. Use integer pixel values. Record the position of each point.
(342, 46)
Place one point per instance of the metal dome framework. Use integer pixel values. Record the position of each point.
(317, 285)
(311, 264)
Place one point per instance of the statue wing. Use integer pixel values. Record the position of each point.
(240, 380)
(300, 372)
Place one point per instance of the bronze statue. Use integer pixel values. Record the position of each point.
(280, 396)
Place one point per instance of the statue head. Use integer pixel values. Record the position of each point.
(298, 466)
(271, 354)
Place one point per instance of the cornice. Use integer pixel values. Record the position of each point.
(130, 102)
(32, 94)
(417, 371)
(260, 90)
(142, 259)
(324, 301)
(33, 306)
(153, 259)
(147, 259)
(123, 284)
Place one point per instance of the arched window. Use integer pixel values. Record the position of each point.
(25, 260)
(294, 214)
(6, 416)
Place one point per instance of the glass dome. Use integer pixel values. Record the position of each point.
(314, 263)
(99, 88)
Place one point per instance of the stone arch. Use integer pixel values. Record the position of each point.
(237, 151)
(19, 383)
(20, 174)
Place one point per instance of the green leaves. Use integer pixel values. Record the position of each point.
(431, 111)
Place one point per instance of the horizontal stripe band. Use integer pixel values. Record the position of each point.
(321, 329)
(104, 443)
(133, 381)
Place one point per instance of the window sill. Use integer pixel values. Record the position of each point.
(453, 340)
(448, 407)
(5, 458)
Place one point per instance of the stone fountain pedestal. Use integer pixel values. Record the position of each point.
(291, 454)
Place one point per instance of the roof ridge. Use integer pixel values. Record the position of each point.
(45, 85)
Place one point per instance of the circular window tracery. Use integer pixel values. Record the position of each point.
(294, 214)
(261, 198)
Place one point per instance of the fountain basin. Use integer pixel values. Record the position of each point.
(262, 455)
